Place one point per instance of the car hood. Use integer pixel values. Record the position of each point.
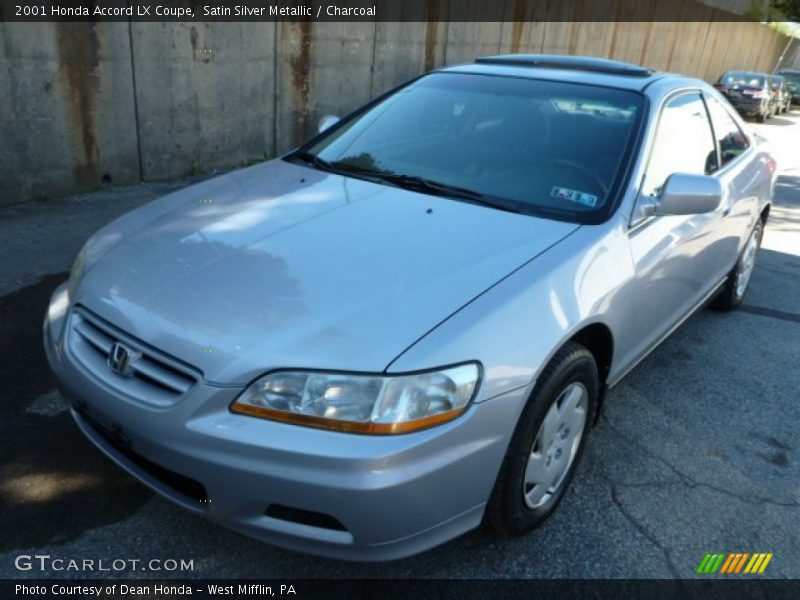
(280, 265)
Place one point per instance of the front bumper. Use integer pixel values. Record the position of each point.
(337, 494)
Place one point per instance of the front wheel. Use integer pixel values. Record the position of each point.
(547, 443)
(736, 285)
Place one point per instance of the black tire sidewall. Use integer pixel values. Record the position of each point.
(727, 298)
(757, 230)
(575, 365)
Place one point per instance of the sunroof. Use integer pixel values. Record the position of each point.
(575, 63)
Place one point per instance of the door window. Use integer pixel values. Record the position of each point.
(684, 143)
(731, 139)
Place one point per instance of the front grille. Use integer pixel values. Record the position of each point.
(151, 376)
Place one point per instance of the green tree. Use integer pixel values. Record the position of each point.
(788, 9)
(773, 10)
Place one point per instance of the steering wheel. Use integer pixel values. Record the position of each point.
(562, 162)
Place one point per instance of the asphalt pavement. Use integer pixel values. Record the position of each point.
(696, 452)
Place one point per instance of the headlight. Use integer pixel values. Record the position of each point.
(76, 273)
(377, 404)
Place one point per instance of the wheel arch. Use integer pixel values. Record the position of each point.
(598, 339)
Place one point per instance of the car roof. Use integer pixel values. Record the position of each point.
(737, 72)
(577, 69)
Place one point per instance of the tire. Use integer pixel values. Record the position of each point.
(570, 380)
(733, 293)
(760, 118)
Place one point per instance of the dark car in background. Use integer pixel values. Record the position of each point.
(749, 93)
(792, 77)
(780, 94)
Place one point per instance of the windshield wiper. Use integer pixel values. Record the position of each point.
(314, 161)
(340, 169)
(410, 182)
(428, 186)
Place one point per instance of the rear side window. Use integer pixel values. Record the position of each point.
(683, 144)
(731, 139)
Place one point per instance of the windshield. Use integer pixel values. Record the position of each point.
(792, 79)
(743, 79)
(532, 146)
(776, 82)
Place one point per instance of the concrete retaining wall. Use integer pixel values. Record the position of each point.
(82, 105)
(66, 109)
(205, 95)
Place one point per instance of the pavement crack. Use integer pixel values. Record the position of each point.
(689, 481)
(640, 527)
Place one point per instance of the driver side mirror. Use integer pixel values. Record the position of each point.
(685, 194)
(327, 122)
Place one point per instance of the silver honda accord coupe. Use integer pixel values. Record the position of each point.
(406, 327)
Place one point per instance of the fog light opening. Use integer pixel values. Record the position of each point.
(304, 517)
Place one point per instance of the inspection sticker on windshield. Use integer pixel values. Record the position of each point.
(574, 196)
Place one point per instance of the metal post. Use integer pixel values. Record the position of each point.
(786, 48)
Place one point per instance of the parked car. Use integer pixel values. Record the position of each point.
(782, 96)
(749, 93)
(407, 326)
(792, 77)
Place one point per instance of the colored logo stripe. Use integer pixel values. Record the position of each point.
(710, 563)
(734, 562)
(728, 563)
(758, 563)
